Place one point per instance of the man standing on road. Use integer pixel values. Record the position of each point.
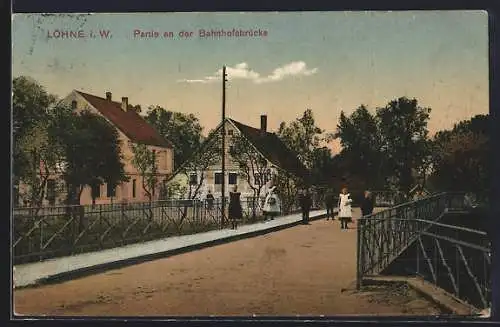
(305, 203)
(367, 204)
(329, 203)
(210, 200)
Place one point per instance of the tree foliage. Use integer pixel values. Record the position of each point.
(183, 130)
(90, 151)
(145, 161)
(40, 156)
(30, 112)
(323, 166)
(461, 156)
(403, 127)
(206, 155)
(35, 154)
(302, 136)
(388, 146)
(51, 141)
(288, 187)
(362, 145)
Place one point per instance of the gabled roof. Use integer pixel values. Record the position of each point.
(128, 122)
(273, 149)
(268, 144)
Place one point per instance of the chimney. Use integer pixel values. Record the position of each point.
(263, 123)
(124, 103)
(108, 96)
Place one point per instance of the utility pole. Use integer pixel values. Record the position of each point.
(223, 189)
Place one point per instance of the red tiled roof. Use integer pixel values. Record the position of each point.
(129, 122)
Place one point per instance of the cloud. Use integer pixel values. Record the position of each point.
(296, 68)
(243, 71)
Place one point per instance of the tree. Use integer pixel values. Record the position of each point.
(322, 169)
(461, 157)
(40, 155)
(302, 136)
(90, 151)
(253, 166)
(403, 127)
(173, 189)
(30, 112)
(388, 149)
(361, 141)
(208, 154)
(288, 185)
(183, 130)
(144, 160)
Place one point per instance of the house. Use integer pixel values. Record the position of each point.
(276, 154)
(132, 129)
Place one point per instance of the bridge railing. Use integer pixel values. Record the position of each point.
(384, 235)
(378, 231)
(456, 259)
(45, 232)
(452, 257)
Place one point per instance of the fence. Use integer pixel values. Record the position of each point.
(452, 257)
(47, 232)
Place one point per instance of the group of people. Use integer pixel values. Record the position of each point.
(272, 205)
(344, 206)
(271, 208)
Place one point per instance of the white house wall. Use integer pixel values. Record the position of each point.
(230, 167)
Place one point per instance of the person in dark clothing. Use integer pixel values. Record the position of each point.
(329, 203)
(210, 200)
(367, 204)
(235, 211)
(305, 202)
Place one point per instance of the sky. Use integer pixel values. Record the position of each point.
(324, 61)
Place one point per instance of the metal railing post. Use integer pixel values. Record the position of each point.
(360, 257)
(418, 261)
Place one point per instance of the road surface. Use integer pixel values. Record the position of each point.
(304, 270)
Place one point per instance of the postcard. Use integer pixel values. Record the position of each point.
(251, 164)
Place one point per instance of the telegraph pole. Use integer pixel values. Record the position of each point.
(223, 190)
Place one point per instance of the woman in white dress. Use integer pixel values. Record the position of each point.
(272, 204)
(345, 210)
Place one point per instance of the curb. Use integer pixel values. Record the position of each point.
(444, 300)
(99, 268)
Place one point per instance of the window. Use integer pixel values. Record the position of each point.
(218, 178)
(193, 179)
(231, 149)
(233, 178)
(133, 188)
(111, 190)
(73, 104)
(165, 160)
(230, 132)
(96, 191)
(51, 191)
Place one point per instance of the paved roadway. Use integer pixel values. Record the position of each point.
(302, 270)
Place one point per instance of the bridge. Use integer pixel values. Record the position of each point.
(417, 258)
